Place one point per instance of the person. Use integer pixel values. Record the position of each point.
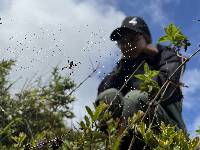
(135, 43)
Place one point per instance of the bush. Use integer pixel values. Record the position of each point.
(33, 113)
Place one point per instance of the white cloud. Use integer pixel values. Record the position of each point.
(42, 34)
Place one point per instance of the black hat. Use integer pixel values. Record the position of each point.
(131, 24)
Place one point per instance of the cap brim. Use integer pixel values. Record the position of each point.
(118, 33)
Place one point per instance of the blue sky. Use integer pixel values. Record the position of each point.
(81, 30)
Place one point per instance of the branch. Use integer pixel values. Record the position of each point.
(125, 84)
(166, 83)
(89, 76)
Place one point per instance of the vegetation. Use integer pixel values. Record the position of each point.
(34, 117)
(33, 113)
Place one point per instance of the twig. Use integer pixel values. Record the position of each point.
(125, 84)
(91, 63)
(132, 141)
(133, 138)
(11, 84)
(166, 83)
(89, 76)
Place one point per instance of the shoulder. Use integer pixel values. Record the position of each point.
(164, 49)
(167, 54)
(168, 50)
(108, 80)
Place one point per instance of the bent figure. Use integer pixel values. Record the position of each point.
(135, 43)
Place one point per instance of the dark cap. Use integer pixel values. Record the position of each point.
(131, 24)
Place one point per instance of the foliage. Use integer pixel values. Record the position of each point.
(19, 140)
(33, 113)
(91, 136)
(175, 37)
(149, 85)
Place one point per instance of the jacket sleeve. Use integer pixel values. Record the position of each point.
(106, 83)
(110, 81)
(168, 62)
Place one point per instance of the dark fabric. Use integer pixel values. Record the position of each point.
(166, 61)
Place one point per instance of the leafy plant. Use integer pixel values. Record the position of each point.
(19, 140)
(37, 112)
(175, 37)
(149, 85)
(93, 138)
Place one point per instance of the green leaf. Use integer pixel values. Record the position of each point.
(142, 128)
(132, 121)
(100, 108)
(140, 76)
(169, 30)
(149, 138)
(82, 124)
(153, 73)
(198, 131)
(163, 39)
(179, 37)
(146, 68)
(19, 140)
(89, 111)
(87, 120)
(174, 36)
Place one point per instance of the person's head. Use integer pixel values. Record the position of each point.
(132, 37)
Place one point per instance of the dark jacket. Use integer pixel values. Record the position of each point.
(166, 61)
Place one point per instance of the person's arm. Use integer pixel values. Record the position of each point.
(168, 62)
(106, 83)
(109, 81)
